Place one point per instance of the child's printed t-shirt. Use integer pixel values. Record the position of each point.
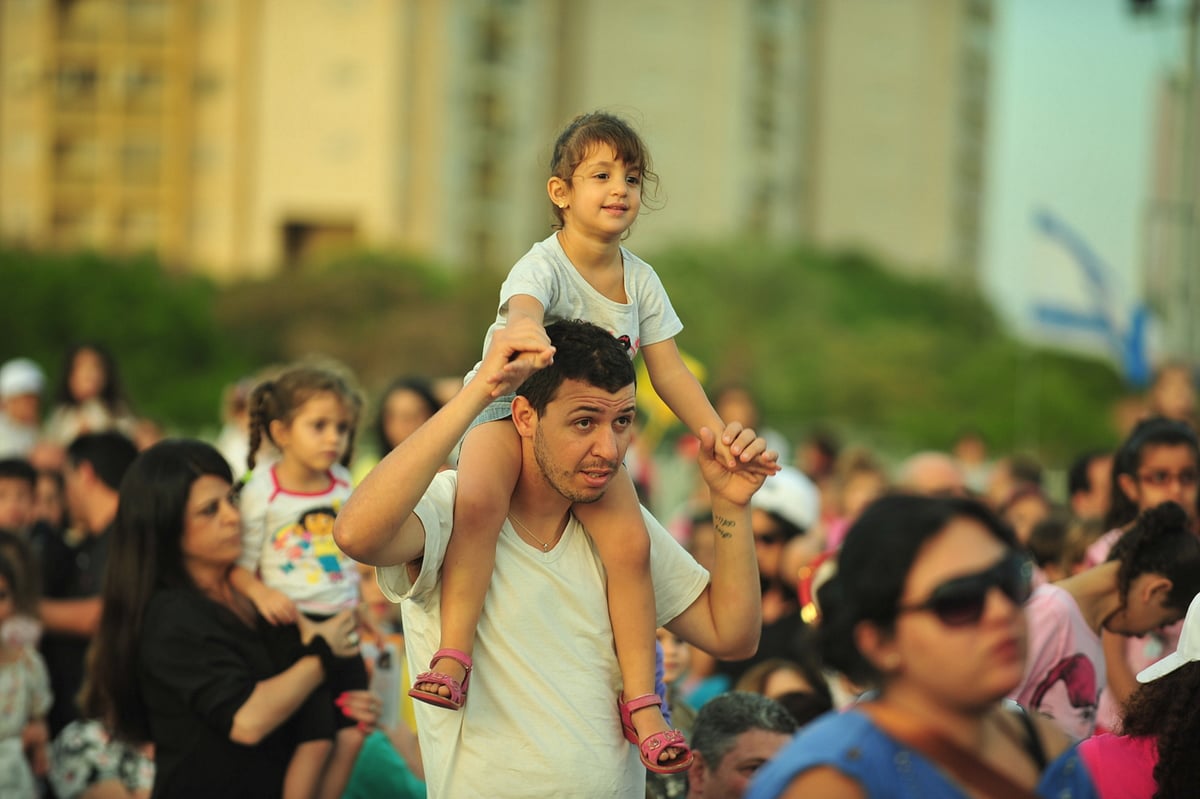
(1065, 672)
(287, 540)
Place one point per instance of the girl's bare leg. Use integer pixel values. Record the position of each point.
(488, 467)
(305, 769)
(616, 526)
(346, 746)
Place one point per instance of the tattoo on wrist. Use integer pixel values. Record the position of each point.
(724, 526)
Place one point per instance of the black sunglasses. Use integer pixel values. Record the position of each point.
(960, 602)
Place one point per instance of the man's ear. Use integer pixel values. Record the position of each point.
(697, 774)
(86, 472)
(524, 416)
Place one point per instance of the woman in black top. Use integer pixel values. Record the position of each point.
(182, 659)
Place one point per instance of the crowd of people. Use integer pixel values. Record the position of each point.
(281, 611)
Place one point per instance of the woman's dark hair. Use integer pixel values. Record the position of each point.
(1165, 709)
(873, 566)
(111, 393)
(25, 582)
(9, 572)
(415, 385)
(145, 556)
(1161, 542)
(1156, 431)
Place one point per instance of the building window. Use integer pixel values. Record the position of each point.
(307, 241)
(141, 160)
(77, 87)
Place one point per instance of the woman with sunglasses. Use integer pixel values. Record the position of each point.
(1147, 582)
(926, 608)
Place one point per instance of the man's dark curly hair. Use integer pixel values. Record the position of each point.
(1165, 709)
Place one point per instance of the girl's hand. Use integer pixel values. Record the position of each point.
(741, 448)
(368, 629)
(338, 631)
(35, 736)
(732, 483)
(516, 352)
(275, 606)
(362, 706)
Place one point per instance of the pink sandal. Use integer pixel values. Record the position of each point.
(655, 744)
(458, 691)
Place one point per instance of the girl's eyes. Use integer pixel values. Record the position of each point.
(632, 180)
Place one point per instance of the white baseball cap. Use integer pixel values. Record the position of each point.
(21, 376)
(790, 495)
(1187, 651)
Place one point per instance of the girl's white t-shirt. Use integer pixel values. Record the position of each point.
(547, 274)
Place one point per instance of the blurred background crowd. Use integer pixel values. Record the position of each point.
(940, 246)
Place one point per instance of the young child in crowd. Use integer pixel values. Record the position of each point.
(24, 696)
(597, 172)
(21, 385)
(18, 482)
(1148, 581)
(90, 399)
(1158, 462)
(290, 563)
(50, 500)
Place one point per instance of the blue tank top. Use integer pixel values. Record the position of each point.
(851, 743)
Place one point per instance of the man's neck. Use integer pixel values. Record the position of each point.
(537, 504)
(102, 510)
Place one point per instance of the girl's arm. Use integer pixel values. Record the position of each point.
(71, 616)
(528, 313)
(377, 525)
(275, 606)
(274, 700)
(1121, 679)
(523, 306)
(684, 395)
(679, 388)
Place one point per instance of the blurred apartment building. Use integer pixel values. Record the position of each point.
(1171, 233)
(244, 136)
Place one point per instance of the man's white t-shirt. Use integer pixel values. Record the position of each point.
(541, 716)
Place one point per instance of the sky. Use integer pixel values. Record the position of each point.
(1073, 108)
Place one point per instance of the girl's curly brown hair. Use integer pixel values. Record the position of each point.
(1165, 709)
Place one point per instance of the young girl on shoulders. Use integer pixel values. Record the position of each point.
(290, 564)
(598, 170)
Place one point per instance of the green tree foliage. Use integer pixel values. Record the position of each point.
(171, 355)
(902, 363)
(830, 339)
